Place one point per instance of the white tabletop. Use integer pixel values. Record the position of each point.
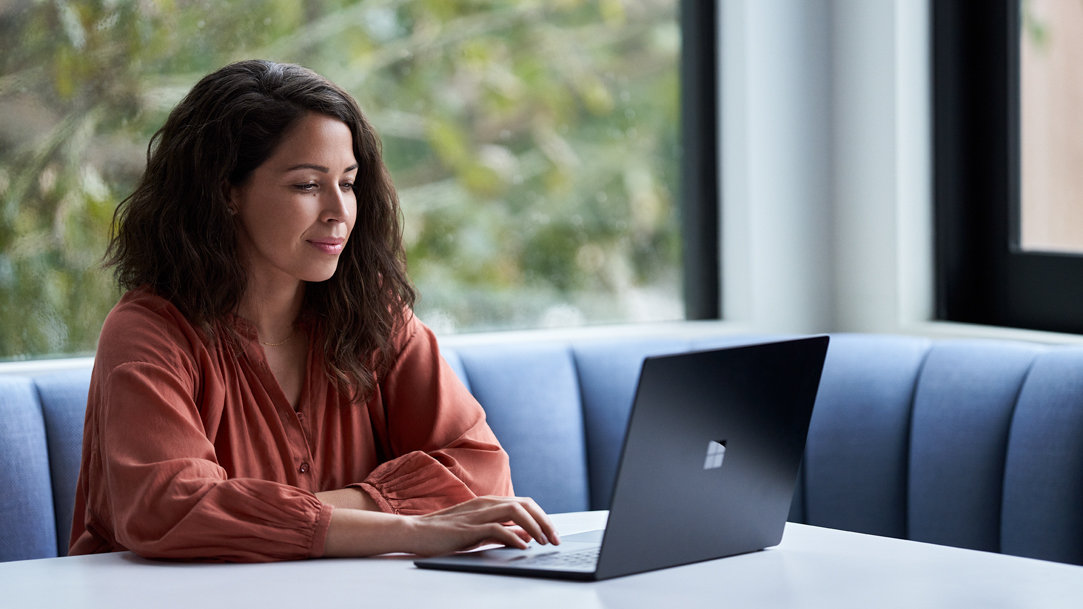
(813, 567)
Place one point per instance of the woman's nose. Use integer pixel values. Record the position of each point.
(338, 205)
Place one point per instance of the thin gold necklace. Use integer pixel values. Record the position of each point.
(281, 342)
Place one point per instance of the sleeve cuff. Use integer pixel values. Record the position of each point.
(319, 534)
(381, 502)
(413, 484)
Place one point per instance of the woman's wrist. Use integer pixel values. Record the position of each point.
(366, 533)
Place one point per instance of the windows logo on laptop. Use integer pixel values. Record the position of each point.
(716, 452)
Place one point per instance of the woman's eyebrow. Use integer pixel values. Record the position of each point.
(319, 168)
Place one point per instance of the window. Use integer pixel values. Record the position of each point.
(1051, 126)
(537, 147)
(1008, 237)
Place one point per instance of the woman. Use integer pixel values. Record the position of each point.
(263, 391)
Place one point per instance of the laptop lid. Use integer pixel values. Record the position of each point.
(711, 454)
(708, 465)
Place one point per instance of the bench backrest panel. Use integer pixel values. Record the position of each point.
(855, 466)
(1043, 476)
(532, 402)
(63, 403)
(28, 523)
(963, 410)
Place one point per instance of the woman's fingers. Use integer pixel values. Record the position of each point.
(528, 515)
(509, 536)
(521, 511)
(548, 529)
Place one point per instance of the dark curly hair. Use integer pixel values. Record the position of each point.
(175, 234)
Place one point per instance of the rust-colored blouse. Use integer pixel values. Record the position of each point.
(191, 449)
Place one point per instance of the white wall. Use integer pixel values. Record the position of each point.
(776, 157)
(882, 177)
(825, 179)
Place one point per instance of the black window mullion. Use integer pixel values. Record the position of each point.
(699, 160)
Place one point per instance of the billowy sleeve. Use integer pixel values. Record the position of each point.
(150, 481)
(442, 451)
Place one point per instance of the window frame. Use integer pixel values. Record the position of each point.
(983, 276)
(699, 201)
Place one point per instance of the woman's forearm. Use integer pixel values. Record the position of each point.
(355, 532)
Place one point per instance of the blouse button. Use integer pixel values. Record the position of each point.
(303, 469)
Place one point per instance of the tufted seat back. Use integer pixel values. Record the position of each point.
(970, 443)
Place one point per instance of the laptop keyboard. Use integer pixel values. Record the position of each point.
(587, 557)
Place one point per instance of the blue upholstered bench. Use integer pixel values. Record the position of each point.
(971, 443)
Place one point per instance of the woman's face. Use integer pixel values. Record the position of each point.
(296, 210)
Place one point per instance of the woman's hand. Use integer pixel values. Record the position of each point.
(509, 521)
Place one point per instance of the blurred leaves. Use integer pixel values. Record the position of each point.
(533, 144)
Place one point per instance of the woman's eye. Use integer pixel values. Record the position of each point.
(345, 186)
(308, 187)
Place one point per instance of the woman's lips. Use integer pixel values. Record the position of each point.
(328, 246)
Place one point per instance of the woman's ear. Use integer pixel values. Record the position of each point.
(231, 194)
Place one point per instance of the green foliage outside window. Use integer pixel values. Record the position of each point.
(533, 143)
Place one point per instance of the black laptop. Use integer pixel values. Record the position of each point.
(707, 470)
